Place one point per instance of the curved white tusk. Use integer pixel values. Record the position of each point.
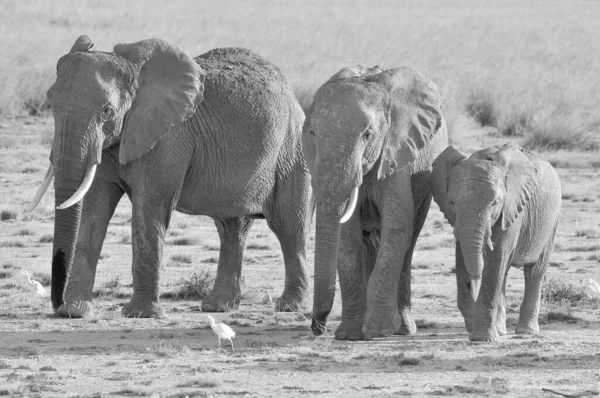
(82, 190)
(351, 205)
(41, 190)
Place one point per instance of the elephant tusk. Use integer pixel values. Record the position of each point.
(82, 190)
(41, 190)
(350, 207)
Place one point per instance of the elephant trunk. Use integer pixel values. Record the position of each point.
(473, 233)
(336, 201)
(72, 178)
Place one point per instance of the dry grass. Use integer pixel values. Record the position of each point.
(529, 62)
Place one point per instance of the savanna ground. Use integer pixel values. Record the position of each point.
(526, 72)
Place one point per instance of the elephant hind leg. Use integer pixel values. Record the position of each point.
(225, 294)
(530, 306)
(289, 214)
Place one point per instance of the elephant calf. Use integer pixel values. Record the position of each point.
(504, 204)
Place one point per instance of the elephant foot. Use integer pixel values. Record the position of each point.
(143, 309)
(350, 330)
(76, 309)
(529, 328)
(381, 324)
(408, 326)
(221, 301)
(487, 335)
(469, 325)
(319, 322)
(291, 303)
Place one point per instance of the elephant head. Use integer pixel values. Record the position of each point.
(476, 193)
(362, 122)
(131, 96)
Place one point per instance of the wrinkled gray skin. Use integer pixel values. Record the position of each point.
(504, 203)
(233, 153)
(378, 132)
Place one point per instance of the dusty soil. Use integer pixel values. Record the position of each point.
(275, 353)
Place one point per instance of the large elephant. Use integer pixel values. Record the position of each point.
(504, 203)
(370, 141)
(218, 135)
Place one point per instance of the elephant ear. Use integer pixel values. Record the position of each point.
(519, 182)
(309, 147)
(170, 87)
(355, 71)
(440, 180)
(415, 117)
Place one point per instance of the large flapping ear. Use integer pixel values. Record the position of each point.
(309, 147)
(440, 179)
(519, 182)
(355, 71)
(170, 87)
(415, 117)
(82, 44)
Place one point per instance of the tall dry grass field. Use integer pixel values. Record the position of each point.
(536, 62)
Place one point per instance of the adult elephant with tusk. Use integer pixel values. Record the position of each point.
(218, 135)
(370, 141)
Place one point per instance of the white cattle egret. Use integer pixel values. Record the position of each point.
(592, 289)
(222, 331)
(33, 286)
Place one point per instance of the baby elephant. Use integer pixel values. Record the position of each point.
(504, 204)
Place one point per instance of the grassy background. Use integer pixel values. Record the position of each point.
(532, 67)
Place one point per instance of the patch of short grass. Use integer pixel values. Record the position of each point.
(204, 381)
(125, 239)
(46, 238)
(25, 232)
(8, 215)
(481, 107)
(559, 292)
(561, 316)
(257, 246)
(197, 286)
(181, 258)
(184, 242)
(425, 324)
(12, 243)
(587, 232)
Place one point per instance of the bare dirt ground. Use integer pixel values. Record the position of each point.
(276, 353)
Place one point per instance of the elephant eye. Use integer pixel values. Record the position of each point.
(107, 113)
(368, 136)
(312, 133)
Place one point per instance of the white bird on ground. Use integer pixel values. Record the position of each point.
(222, 331)
(592, 289)
(36, 288)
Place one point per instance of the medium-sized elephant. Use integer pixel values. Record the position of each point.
(370, 141)
(504, 204)
(218, 135)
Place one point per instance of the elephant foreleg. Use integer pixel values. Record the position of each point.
(404, 286)
(354, 262)
(501, 310)
(149, 223)
(225, 294)
(98, 208)
(397, 224)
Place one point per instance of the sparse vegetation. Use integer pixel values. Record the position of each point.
(559, 292)
(561, 316)
(197, 286)
(185, 242)
(8, 215)
(181, 258)
(46, 238)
